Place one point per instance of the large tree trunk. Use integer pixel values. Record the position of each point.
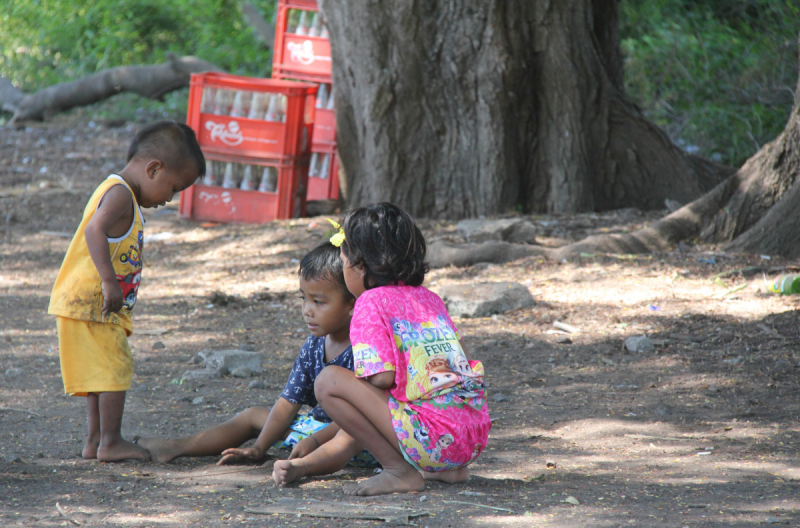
(454, 109)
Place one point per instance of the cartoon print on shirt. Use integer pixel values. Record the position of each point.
(421, 434)
(134, 254)
(130, 285)
(439, 374)
(442, 443)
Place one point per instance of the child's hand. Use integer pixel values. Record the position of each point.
(112, 297)
(303, 447)
(239, 454)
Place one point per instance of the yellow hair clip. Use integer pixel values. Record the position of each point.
(338, 238)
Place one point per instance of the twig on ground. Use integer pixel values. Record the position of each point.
(480, 506)
(67, 517)
(19, 410)
(730, 290)
(214, 474)
(565, 327)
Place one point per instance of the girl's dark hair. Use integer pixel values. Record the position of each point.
(324, 263)
(387, 242)
(171, 142)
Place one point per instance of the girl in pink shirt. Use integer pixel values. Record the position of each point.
(415, 400)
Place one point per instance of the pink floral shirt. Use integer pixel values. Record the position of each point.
(438, 396)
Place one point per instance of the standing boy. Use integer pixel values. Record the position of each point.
(96, 287)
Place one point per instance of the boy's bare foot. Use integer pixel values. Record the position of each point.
(401, 480)
(287, 471)
(451, 476)
(122, 450)
(90, 449)
(162, 450)
(234, 459)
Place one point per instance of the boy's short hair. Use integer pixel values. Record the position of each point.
(171, 142)
(324, 263)
(386, 240)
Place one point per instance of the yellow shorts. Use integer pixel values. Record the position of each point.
(95, 357)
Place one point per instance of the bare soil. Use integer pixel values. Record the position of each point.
(702, 431)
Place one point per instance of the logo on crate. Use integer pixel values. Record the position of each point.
(304, 53)
(229, 133)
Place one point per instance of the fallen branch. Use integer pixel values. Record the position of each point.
(481, 506)
(151, 81)
(214, 474)
(11, 409)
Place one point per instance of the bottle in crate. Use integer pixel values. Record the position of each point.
(209, 178)
(322, 96)
(324, 33)
(209, 95)
(269, 180)
(302, 28)
(229, 180)
(236, 107)
(314, 30)
(273, 111)
(248, 183)
(325, 168)
(256, 106)
(329, 106)
(312, 165)
(222, 104)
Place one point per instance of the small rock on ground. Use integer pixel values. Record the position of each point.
(485, 299)
(241, 372)
(256, 384)
(639, 344)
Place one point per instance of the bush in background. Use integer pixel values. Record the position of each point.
(44, 42)
(719, 77)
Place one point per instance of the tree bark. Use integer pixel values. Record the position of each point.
(756, 210)
(456, 109)
(152, 81)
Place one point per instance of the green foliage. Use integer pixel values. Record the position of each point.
(48, 41)
(719, 77)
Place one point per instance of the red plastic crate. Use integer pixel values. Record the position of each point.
(233, 205)
(298, 56)
(323, 187)
(222, 133)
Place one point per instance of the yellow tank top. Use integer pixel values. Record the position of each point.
(78, 293)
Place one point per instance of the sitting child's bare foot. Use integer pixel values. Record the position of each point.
(451, 476)
(401, 480)
(287, 471)
(162, 450)
(122, 450)
(90, 449)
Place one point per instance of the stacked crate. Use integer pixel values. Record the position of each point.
(302, 51)
(255, 136)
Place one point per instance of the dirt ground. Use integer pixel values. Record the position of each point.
(703, 431)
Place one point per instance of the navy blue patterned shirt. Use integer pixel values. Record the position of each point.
(309, 363)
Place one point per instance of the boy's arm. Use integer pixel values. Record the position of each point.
(313, 441)
(115, 208)
(280, 418)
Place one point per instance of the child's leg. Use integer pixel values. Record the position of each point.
(451, 476)
(244, 426)
(328, 458)
(93, 440)
(112, 446)
(362, 410)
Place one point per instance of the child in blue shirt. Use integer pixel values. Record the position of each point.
(327, 310)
